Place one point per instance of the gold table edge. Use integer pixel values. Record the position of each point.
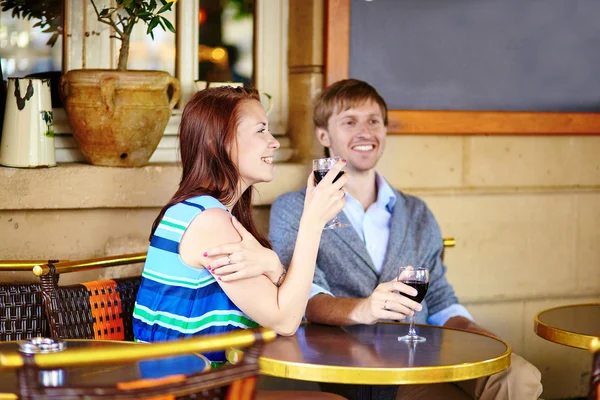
(384, 376)
(110, 341)
(561, 336)
(11, 396)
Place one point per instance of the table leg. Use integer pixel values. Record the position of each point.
(361, 392)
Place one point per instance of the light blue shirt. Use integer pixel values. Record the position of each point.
(373, 227)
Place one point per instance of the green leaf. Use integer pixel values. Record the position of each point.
(168, 24)
(104, 12)
(128, 5)
(130, 12)
(164, 8)
(153, 23)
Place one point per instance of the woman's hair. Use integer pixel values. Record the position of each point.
(207, 134)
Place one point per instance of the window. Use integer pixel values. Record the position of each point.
(226, 41)
(88, 45)
(31, 40)
(158, 54)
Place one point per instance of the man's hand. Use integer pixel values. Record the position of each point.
(386, 303)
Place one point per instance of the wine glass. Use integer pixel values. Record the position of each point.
(412, 348)
(417, 278)
(320, 168)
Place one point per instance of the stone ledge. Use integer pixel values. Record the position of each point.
(84, 186)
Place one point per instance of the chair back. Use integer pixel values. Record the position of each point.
(93, 310)
(227, 382)
(22, 313)
(101, 309)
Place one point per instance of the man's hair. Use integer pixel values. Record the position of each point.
(343, 95)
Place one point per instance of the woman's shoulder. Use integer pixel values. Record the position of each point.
(203, 203)
(196, 205)
(211, 226)
(187, 210)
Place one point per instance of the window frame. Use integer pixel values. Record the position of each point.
(430, 122)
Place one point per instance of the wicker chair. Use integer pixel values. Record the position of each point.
(91, 310)
(22, 313)
(228, 382)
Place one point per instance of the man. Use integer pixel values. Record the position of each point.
(355, 278)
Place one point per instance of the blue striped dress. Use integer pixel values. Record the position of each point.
(176, 300)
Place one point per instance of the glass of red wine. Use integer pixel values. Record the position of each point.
(321, 167)
(417, 278)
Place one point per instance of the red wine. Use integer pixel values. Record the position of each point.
(320, 174)
(421, 290)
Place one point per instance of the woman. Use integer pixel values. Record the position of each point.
(226, 147)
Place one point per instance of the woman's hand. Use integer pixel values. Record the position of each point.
(325, 200)
(245, 259)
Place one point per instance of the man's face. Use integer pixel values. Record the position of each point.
(357, 135)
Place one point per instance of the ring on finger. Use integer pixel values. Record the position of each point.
(229, 259)
(385, 305)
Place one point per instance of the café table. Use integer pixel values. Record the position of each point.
(368, 361)
(574, 325)
(102, 374)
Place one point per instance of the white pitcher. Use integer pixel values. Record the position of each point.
(28, 132)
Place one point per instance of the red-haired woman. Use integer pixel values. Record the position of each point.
(226, 147)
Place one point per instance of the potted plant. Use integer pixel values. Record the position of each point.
(119, 116)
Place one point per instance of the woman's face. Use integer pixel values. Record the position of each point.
(256, 146)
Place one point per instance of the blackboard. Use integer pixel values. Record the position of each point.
(496, 55)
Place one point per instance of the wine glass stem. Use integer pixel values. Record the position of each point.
(411, 329)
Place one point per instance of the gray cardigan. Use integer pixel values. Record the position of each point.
(344, 266)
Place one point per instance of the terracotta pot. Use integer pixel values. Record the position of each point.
(118, 118)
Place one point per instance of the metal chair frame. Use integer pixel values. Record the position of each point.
(90, 310)
(22, 313)
(594, 393)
